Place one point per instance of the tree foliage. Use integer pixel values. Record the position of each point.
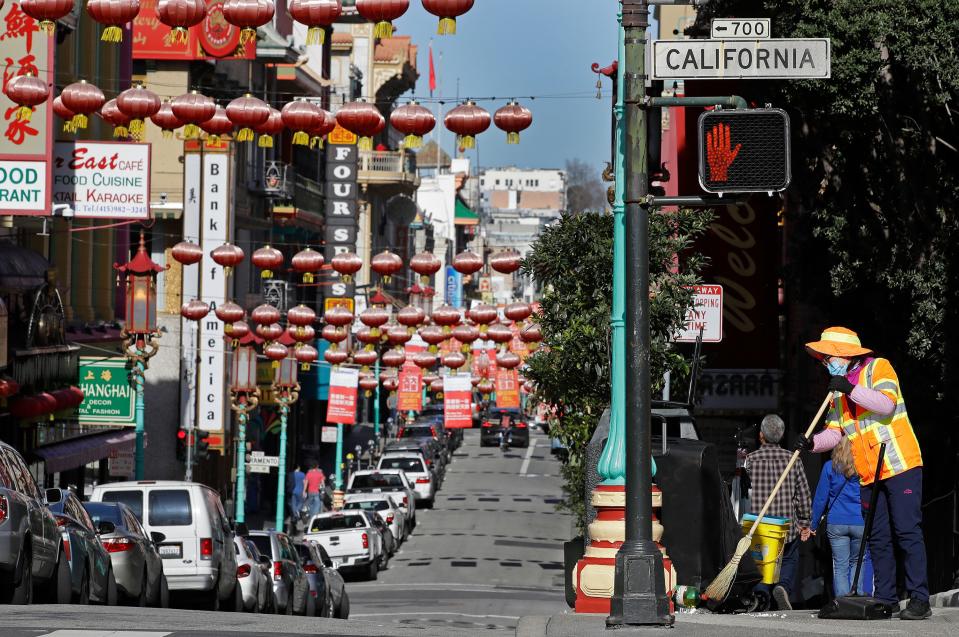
(572, 260)
(584, 189)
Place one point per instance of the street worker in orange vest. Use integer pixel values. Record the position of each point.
(869, 409)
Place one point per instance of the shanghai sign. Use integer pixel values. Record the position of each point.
(783, 58)
(108, 397)
(103, 180)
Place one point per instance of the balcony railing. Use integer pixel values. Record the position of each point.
(387, 167)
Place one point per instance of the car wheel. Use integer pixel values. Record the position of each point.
(372, 570)
(289, 604)
(112, 593)
(63, 586)
(142, 598)
(164, 601)
(238, 606)
(344, 606)
(273, 603)
(310, 610)
(328, 610)
(213, 601)
(21, 593)
(430, 502)
(83, 596)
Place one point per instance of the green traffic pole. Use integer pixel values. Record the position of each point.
(338, 476)
(376, 400)
(281, 477)
(138, 457)
(241, 465)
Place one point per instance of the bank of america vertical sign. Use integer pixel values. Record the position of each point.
(341, 210)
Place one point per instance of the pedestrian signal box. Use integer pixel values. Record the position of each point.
(744, 150)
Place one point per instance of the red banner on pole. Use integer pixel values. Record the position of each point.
(341, 408)
(457, 402)
(411, 389)
(507, 389)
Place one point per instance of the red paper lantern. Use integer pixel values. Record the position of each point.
(393, 358)
(382, 12)
(269, 332)
(425, 264)
(267, 259)
(430, 378)
(374, 317)
(193, 109)
(230, 312)
(467, 262)
(82, 98)
(466, 334)
(485, 387)
(484, 315)
(386, 264)
(517, 311)
(180, 15)
(166, 120)
(424, 360)
(532, 334)
(507, 360)
(265, 314)
(187, 253)
(414, 121)
(437, 386)
(410, 316)
(434, 335)
(334, 334)
(365, 357)
(247, 112)
(194, 310)
(446, 316)
(111, 114)
(513, 119)
(366, 336)
(390, 383)
(368, 384)
(300, 117)
(301, 333)
(398, 335)
(238, 330)
(138, 103)
(362, 119)
(467, 120)
(113, 14)
(447, 11)
(305, 356)
(499, 333)
(276, 352)
(217, 126)
(506, 262)
(26, 91)
(63, 113)
(454, 360)
(248, 15)
(321, 128)
(272, 126)
(228, 256)
(316, 15)
(46, 11)
(300, 316)
(347, 264)
(335, 357)
(338, 316)
(307, 262)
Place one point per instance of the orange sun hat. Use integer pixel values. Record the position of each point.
(837, 341)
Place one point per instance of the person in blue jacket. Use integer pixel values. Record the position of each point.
(838, 489)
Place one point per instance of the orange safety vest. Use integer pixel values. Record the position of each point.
(866, 430)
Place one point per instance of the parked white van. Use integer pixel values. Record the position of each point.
(198, 553)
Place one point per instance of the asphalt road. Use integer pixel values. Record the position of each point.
(489, 552)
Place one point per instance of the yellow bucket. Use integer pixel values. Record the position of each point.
(768, 543)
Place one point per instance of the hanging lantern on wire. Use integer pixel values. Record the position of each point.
(386, 264)
(410, 317)
(483, 315)
(446, 316)
(368, 383)
(193, 109)
(113, 14)
(276, 352)
(321, 128)
(194, 310)
(508, 360)
(447, 11)
(265, 314)
(517, 312)
(466, 334)
(306, 355)
(247, 113)
(273, 125)
(217, 126)
(335, 357)
(424, 360)
(138, 103)
(227, 256)
(316, 15)
(166, 120)
(397, 335)
(366, 358)
(46, 12)
(425, 264)
(393, 358)
(338, 316)
(230, 313)
(347, 264)
(64, 114)
(300, 316)
(111, 114)
(506, 262)
(307, 262)
(362, 119)
(187, 253)
(433, 335)
(467, 263)
(414, 121)
(382, 12)
(374, 317)
(267, 259)
(335, 335)
(249, 15)
(301, 333)
(300, 116)
(26, 91)
(180, 15)
(513, 119)
(532, 335)
(499, 334)
(82, 98)
(467, 120)
(453, 360)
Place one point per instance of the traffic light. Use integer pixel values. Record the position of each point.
(181, 445)
(202, 449)
(744, 150)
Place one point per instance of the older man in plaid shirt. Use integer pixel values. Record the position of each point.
(765, 466)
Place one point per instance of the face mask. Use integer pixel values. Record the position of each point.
(837, 368)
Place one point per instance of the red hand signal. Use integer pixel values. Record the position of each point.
(719, 152)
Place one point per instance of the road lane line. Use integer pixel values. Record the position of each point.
(435, 613)
(104, 633)
(529, 456)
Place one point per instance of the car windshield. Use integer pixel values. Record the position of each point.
(410, 465)
(376, 481)
(170, 507)
(499, 413)
(304, 553)
(368, 505)
(417, 432)
(101, 512)
(262, 544)
(337, 523)
(132, 498)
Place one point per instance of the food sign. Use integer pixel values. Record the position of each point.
(103, 180)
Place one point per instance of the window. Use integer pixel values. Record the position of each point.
(376, 481)
(23, 481)
(367, 505)
(337, 523)
(170, 507)
(286, 551)
(104, 512)
(132, 498)
(262, 544)
(414, 465)
(6, 474)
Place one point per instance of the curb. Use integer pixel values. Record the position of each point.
(945, 599)
(532, 626)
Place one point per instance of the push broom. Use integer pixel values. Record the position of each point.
(718, 589)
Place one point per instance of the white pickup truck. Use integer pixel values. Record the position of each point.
(390, 481)
(350, 539)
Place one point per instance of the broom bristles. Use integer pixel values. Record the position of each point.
(719, 587)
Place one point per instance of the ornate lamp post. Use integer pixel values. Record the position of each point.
(286, 390)
(244, 398)
(140, 334)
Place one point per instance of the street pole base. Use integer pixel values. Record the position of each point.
(639, 597)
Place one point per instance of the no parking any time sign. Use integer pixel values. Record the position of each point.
(706, 314)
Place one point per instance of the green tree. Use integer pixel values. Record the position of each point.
(572, 260)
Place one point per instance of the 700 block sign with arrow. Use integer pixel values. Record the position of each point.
(744, 150)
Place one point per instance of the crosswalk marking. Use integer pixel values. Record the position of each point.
(104, 633)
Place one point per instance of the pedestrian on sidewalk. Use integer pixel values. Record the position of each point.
(312, 484)
(868, 408)
(836, 511)
(765, 466)
(294, 486)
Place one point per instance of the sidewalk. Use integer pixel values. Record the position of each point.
(944, 621)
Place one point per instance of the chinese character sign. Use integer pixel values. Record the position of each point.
(411, 389)
(341, 408)
(457, 402)
(507, 388)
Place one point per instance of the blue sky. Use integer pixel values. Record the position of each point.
(519, 48)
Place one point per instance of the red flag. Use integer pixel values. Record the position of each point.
(432, 72)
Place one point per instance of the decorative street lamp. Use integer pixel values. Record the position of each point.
(244, 398)
(286, 391)
(140, 334)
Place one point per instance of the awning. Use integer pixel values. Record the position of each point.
(78, 452)
(21, 269)
(464, 216)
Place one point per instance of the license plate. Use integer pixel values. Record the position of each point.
(171, 551)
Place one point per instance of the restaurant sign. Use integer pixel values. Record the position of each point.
(103, 180)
